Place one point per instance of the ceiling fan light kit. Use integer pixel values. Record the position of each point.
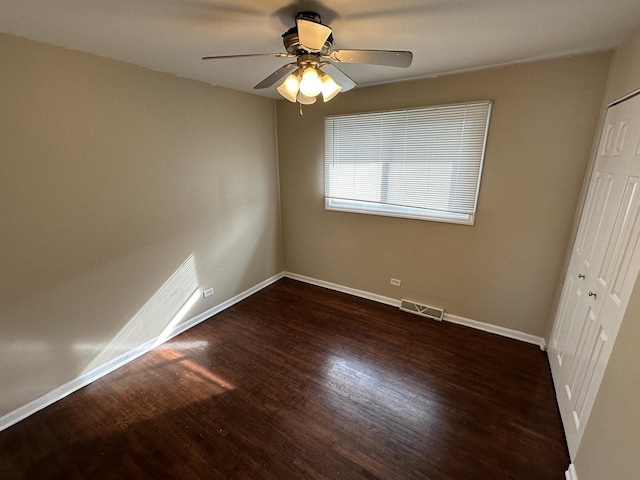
(290, 87)
(302, 99)
(311, 43)
(329, 87)
(310, 83)
(309, 80)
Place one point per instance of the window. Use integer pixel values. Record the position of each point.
(422, 163)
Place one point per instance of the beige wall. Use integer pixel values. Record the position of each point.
(625, 70)
(609, 447)
(504, 270)
(111, 176)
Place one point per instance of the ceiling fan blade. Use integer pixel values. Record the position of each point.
(277, 75)
(346, 83)
(312, 35)
(217, 57)
(389, 58)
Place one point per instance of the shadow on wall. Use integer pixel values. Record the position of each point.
(173, 301)
(156, 319)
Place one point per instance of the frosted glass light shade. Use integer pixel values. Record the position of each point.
(289, 88)
(304, 100)
(329, 88)
(310, 84)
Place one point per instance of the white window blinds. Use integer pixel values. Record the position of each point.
(424, 162)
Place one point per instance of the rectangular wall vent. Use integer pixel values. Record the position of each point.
(422, 310)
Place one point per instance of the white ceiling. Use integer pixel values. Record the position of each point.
(444, 35)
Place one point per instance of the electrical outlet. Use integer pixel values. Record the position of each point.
(396, 282)
(207, 293)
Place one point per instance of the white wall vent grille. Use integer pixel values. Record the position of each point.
(422, 310)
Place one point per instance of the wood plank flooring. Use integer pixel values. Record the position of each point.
(299, 382)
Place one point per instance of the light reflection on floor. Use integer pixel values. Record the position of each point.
(175, 353)
(158, 385)
(373, 387)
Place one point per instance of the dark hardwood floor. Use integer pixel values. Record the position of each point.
(301, 382)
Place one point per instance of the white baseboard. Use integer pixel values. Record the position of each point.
(571, 474)
(498, 330)
(485, 327)
(184, 326)
(341, 288)
(85, 379)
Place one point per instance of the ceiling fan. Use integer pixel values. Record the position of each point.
(311, 44)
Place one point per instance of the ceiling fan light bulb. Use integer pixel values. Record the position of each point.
(289, 88)
(329, 88)
(304, 100)
(310, 84)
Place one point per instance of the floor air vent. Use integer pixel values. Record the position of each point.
(422, 310)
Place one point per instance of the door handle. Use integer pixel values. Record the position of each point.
(581, 276)
(592, 294)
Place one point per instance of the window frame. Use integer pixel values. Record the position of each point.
(414, 213)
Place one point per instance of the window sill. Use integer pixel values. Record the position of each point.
(350, 206)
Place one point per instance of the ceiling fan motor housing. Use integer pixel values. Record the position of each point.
(291, 40)
(311, 16)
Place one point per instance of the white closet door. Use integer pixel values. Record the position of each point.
(604, 265)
